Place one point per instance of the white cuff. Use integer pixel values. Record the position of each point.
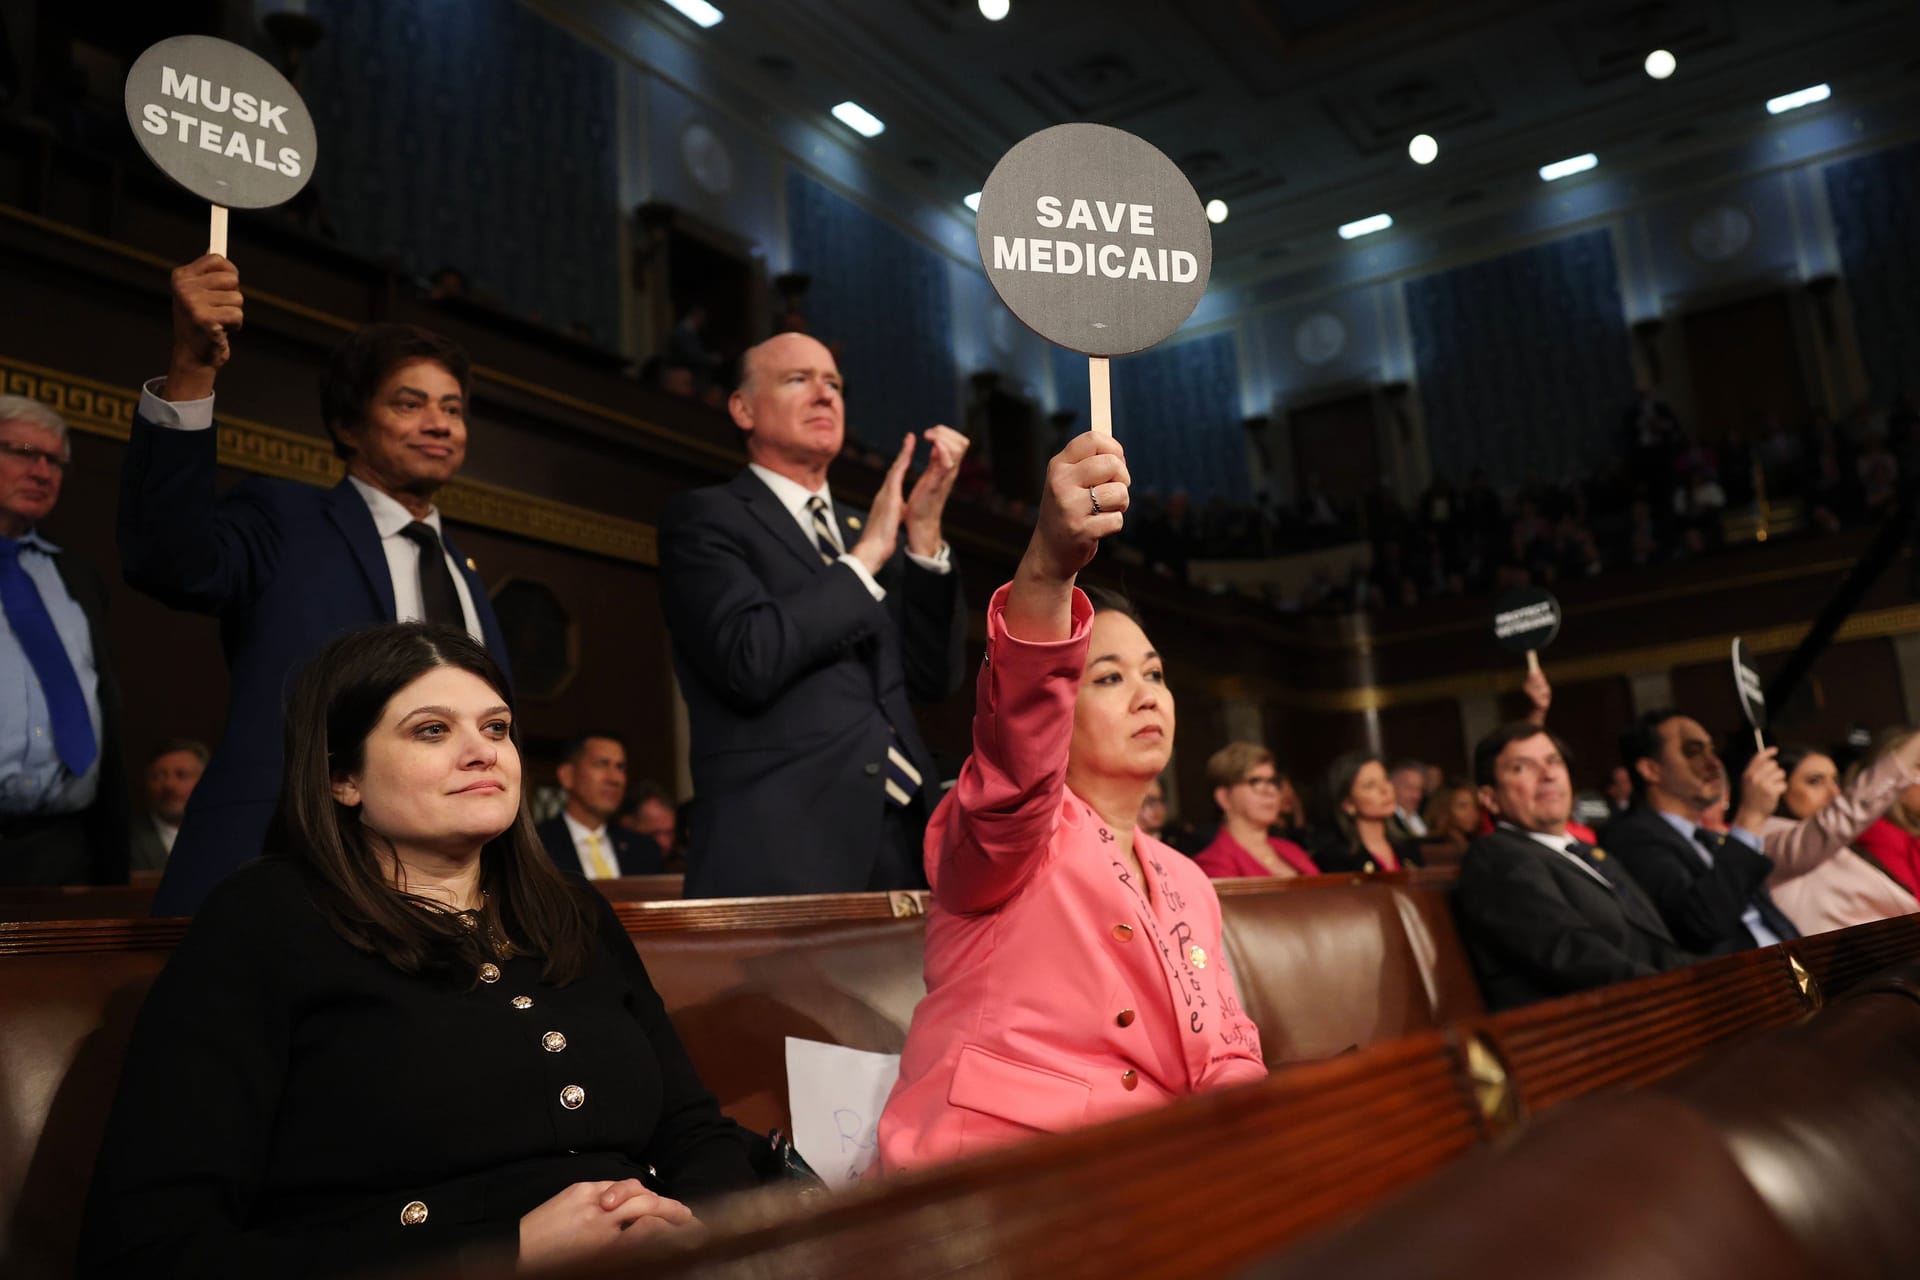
(175, 415)
(940, 562)
(874, 589)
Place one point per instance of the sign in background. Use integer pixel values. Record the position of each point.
(1751, 692)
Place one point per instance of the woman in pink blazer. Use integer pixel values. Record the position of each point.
(1818, 880)
(1074, 965)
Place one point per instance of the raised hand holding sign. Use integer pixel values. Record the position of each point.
(222, 123)
(1097, 242)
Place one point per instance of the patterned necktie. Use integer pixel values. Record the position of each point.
(33, 627)
(602, 868)
(439, 598)
(902, 778)
(823, 540)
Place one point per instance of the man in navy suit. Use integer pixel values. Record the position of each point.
(285, 566)
(800, 632)
(583, 837)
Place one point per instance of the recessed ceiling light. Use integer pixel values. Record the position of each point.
(994, 10)
(859, 119)
(1568, 167)
(1660, 64)
(1216, 211)
(1366, 226)
(1798, 98)
(698, 12)
(1423, 148)
(972, 202)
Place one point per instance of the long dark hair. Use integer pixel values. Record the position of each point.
(1341, 775)
(333, 706)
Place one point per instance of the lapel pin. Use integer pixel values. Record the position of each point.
(471, 566)
(853, 522)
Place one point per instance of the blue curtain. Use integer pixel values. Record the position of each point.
(1524, 361)
(1177, 410)
(882, 301)
(1876, 201)
(476, 135)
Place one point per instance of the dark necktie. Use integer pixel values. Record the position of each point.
(1624, 887)
(1771, 916)
(902, 778)
(822, 529)
(439, 599)
(32, 625)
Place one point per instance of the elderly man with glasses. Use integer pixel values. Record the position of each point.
(63, 791)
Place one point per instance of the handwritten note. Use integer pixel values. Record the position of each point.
(835, 1096)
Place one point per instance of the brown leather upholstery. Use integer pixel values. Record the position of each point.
(64, 1025)
(1625, 1187)
(1825, 1119)
(735, 996)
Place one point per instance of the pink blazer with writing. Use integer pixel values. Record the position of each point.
(1059, 991)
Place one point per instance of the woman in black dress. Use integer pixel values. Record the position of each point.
(1359, 799)
(404, 1034)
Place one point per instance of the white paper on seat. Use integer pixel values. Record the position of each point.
(835, 1096)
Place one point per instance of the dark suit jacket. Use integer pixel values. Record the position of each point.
(285, 1095)
(635, 855)
(1702, 906)
(792, 673)
(106, 818)
(1333, 855)
(286, 568)
(1536, 926)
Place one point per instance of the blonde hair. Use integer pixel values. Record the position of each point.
(1232, 763)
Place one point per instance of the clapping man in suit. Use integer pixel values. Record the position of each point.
(286, 566)
(63, 790)
(1710, 886)
(1541, 913)
(800, 633)
(583, 837)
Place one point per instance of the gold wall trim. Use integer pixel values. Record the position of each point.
(102, 410)
(1873, 624)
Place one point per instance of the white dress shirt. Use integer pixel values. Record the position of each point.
(168, 832)
(1562, 844)
(389, 517)
(795, 497)
(582, 851)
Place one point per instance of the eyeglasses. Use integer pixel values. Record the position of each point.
(1261, 784)
(1153, 802)
(30, 455)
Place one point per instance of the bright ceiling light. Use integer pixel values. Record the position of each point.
(1216, 211)
(1423, 148)
(1366, 226)
(1798, 98)
(994, 10)
(698, 12)
(859, 119)
(1660, 64)
(1568, 167)
(972, 202)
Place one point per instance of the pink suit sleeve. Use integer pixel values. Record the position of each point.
(998, 823)
(1798, 847)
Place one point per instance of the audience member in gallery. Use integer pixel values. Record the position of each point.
(1153, 809)
(404, 1037)
(1074, 965)
(172, 774)
(1453, 819)
(1820, 817)
(1360, 807)
(1246, 786)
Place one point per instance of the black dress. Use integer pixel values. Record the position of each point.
(1333, 855)
(291, 1106)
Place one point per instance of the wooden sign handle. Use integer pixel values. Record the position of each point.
(1099, 396)
(1533, 662)
(1759, 740)
(217, 230)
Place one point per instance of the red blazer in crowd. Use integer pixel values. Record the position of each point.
(1059, 992)
(1224, 859)
(1897, 852)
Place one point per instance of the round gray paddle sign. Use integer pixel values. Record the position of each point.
(1094, 239)
(221, 122)
(1748, 687)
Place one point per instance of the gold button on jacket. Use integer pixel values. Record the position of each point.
(553, 1042)
(1123, 933)
(413, 1214)
(1129, 1079)
(572, 1097)
(523, 1002)
(489, 972)
(1124, 1017)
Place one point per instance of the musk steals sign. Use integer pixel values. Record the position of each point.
(1094, 239)
(221, 122)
